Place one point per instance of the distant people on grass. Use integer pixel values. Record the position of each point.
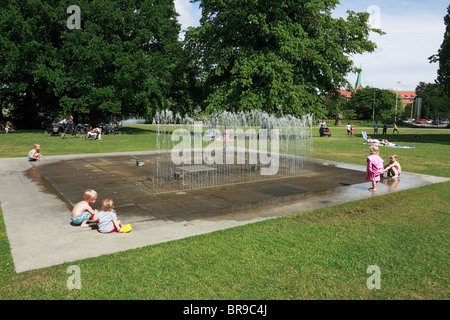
(375, 128)
(385, 127)
(94, 133)
(395, 129)
(349, 128)
(8, 127)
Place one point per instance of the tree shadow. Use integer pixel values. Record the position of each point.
(137, 131)
(410, 139)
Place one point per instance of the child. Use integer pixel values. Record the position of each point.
(83, 210)
(395, 129)
(34, 154)
(393, 168)
(8, 127)
(374, 167)
(351, 130)
(348, 127)
(107, 218)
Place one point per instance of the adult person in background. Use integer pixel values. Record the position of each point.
(395, 128)
(385, 127)
(349, 128)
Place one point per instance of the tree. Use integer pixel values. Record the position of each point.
(338, 104)
(443, 57)
(435, 103)
(119, 62)
(375, 103)
(275, 55)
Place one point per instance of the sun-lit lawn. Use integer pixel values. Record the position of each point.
(323, 254)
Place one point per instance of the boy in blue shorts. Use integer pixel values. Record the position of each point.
(82, 211)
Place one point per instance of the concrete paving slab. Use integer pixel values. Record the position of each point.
(37, 199)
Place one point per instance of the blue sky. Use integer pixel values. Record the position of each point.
(414, 31)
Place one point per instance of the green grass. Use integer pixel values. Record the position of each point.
(430, 155)
(323, 254)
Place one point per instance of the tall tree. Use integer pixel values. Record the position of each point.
(435, 103)
(375, 103)
(443, 57)
(275, 55)
(119, 62)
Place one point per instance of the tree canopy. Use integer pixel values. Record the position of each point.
(443, 57)
(375, 103)
(124, 57)
(435, 102)
(119, 62)
(275, 55)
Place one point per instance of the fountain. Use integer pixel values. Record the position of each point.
(227, 148)
(225, 163)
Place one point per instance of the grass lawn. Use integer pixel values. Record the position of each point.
(323, 254)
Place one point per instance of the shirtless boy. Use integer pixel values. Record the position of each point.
(393, 168)
(83, 210)
(34, 153)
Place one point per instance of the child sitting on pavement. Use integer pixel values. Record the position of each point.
(83, 211)
(107, 218)
(34, 154)
(393, 168)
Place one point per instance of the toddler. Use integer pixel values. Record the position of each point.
(82, 211)
(374, 167)
(34, 154)
(107, 218)
(393, 168)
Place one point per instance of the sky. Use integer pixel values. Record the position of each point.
(414, 31)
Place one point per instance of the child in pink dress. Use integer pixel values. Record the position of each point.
(375, 167)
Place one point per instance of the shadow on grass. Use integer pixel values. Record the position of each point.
(410, 139)
(137, 130)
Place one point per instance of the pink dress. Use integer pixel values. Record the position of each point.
(374, 168)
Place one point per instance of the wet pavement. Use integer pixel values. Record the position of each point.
(37, 199)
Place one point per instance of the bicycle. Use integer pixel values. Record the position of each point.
(112, 128)
(76, 132)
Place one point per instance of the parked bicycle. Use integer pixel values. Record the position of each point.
(111, 128)
(76, 131)
(54, 128)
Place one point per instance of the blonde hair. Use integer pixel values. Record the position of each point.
(90, 194)
(374, 150)
(394, 156)
(107, 204)
(37, 144)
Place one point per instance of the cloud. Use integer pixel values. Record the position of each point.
(402, 54)
(189, 14)
(414, 32)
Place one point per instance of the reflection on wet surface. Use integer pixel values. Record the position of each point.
(123, 179)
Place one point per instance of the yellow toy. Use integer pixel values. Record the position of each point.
(126, 228)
